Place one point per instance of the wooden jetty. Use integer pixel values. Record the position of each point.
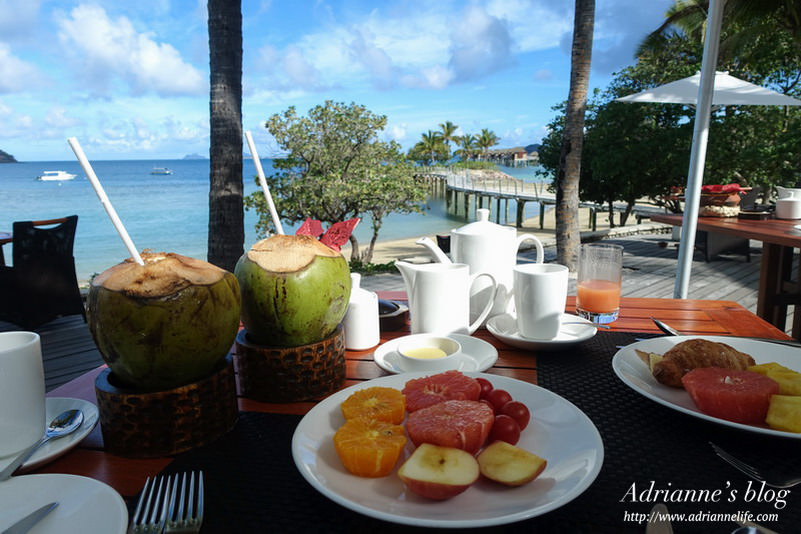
(459, 186)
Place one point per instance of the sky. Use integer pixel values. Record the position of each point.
(129, 79)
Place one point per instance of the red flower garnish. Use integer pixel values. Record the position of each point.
(717, 188)
(339, 233)
(336, 235)
(310, 227)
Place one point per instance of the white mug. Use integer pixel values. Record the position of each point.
(22, 391)
(540, 291)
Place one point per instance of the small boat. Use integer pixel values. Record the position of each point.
(48, 176)
(160, 170)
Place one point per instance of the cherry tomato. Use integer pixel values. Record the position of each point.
(517, 411)
(505, 429)
(486, 387)
(498, 397)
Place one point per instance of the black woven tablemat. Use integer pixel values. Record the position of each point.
(252, 484)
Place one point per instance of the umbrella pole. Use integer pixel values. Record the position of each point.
(695, 175)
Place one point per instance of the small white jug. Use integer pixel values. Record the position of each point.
(439, 297)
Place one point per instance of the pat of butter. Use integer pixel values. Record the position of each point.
(425, 353)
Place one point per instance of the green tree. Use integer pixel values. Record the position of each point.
(468, 145)
(568, 238)
(447, 131)
(430, 148)
(486, 140)
(226, 212)
(337, 169)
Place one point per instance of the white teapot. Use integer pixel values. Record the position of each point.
(787, 192)
(490, 248)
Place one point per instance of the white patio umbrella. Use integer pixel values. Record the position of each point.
(729, 91)
(705, 90)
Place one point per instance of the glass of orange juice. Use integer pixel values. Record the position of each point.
(598, 282)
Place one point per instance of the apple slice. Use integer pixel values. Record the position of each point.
(439, 473)
(509, 464)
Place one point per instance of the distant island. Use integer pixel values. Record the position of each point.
(195, 156)
(7, 158)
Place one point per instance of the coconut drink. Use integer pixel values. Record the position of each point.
(166, 323)
(295, 290)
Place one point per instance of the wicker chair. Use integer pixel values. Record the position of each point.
(42, 284)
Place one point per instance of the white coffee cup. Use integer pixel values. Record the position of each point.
(540, 291)
(22, 391)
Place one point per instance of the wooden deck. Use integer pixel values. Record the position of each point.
(649, 270)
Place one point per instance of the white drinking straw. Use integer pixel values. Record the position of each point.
(263, 182)
(101, 194)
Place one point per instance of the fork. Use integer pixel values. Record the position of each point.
(780, 482)
(189, 515)
(151, 510)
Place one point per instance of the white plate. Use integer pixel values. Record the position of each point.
(504, 327)
(477, 355)
(558, 432)
(85, 506)
(635, 373)
(56, 447)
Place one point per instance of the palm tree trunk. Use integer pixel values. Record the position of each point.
(226, 210)
(568, 237)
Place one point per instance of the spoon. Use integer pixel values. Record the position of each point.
(64, 424)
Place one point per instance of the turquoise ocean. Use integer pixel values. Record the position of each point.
(166, 212)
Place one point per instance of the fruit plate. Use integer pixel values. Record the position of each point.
(558, 432)
(635, 374)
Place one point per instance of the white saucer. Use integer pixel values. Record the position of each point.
(85, 506)
(504, 327)
(56, 447)
(477, 355)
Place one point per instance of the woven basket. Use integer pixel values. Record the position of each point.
(162, 423)
(290, 374)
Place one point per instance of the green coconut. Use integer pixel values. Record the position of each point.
(166, 323)
(295, 290)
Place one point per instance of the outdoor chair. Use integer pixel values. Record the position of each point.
(42, 284)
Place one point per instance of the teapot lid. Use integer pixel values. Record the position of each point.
(483, 226)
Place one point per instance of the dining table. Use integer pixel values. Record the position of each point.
(778, 283)
(651, 453)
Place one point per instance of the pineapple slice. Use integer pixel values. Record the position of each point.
(784, 413)
(763, 368)
(789, 380)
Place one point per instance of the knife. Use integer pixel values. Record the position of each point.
(658, 522)
(26, 523)
(669, 330)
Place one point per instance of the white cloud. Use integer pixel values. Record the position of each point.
(15, 74)
(108, 50)
(480, 44)
(57, 118)
(375, 60)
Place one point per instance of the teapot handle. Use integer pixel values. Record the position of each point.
(486, 311)
(531, 237)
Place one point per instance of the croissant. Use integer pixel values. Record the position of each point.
(694, 353)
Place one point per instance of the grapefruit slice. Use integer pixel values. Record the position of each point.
(461, 424)
(738, 396)
(430, 390)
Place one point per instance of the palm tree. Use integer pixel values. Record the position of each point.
(468, 146)
(486, 139)
(568, 238)
(446, 133)
(431, 144)
(226, 210)
(756, 17)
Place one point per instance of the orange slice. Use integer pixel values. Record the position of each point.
(384, 404)
(368, 447)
